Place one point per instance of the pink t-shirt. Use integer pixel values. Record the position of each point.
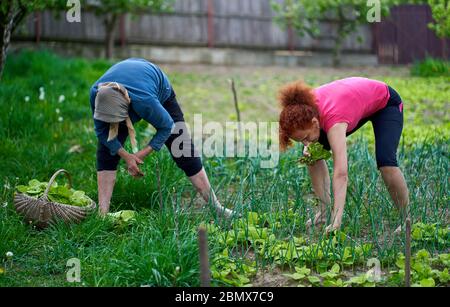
(350, 100)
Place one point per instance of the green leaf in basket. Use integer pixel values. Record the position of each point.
(62, 194)
(22, 188)
(79, 199)
(34, 183)
(62, 191)
(59, 199)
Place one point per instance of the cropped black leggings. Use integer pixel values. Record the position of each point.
(184, 154)
(387, 126)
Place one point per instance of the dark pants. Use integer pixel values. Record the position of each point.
(190, 162)
(387, 126)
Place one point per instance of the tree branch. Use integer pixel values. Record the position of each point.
(19, 16)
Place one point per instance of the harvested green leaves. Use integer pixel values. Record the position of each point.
(57, 193)
(316, 153)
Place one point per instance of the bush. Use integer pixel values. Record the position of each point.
(431, 68)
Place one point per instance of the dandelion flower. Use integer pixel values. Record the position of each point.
(61, 98)
(60, 119)
(9, 255)
(27, 98)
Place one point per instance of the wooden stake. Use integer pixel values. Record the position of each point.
(236, 106)
(408, 254)
(205, 278)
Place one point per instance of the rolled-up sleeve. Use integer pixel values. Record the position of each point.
(102, 132)
(155, 114)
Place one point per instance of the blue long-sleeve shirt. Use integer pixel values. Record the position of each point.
(148, 88)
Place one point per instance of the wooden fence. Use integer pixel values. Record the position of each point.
(405, 37)
(400, 39)
(218, 23)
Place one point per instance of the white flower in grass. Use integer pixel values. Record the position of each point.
(60, 119)
(41, 93)
(57, 111)
(9, 255)
(7, 186)
(61, 98)
(5, 204)
(27, 98)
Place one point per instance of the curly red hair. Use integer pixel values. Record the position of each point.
(298, 109)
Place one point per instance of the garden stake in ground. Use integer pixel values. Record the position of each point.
(408, 254)
(236, 107)
(205, 274)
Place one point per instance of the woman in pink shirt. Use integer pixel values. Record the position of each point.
(328, 115)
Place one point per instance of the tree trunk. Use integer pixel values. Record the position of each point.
(345, 27)
(6, 25)
(444, 48)
(337, 50)
(110, 25)
(9, 20)
(339, 38)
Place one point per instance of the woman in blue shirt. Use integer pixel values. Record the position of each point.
(129, 91)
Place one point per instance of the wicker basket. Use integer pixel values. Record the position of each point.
(42, 211)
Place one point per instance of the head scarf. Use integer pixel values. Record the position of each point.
(111, 106)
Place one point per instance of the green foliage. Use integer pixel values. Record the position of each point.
(227, 271)
(430, 234)
(425, 270)
(122, 218)
(161, 247)
(300, 273)
(305, 17)
(440, 10)
(362, 280)
(128, 6)
(31, 5)
(316, 153)
(13, 12)
(431, 68)
(57, 193)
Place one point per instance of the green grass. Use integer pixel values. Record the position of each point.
(431, 68)
(160, 248)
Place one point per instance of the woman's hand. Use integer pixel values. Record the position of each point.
(144, 153)
(335, 226)
(319, 219)
(132, 162)
(306, 152)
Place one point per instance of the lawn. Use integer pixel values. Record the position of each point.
(46, 125)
